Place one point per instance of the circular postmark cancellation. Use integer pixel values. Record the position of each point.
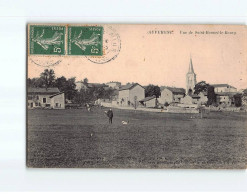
(47, 63)
(111, 46)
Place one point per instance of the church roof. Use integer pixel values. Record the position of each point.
(191, 69)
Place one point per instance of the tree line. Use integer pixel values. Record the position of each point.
(48, 79)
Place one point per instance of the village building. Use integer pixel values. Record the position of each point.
(130, 95)
(149, 102)
(82, 85)
(114, 84)
(225, 98)
(191, 99)
(203, 98)
(171, 95)
(45, 98)
(218, 88)
(190, 79)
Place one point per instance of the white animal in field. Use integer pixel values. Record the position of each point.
(125, 122)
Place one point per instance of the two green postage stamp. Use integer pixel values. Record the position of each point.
(66, 40)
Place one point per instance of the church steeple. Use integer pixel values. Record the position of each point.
(190, 78)
(191, 69)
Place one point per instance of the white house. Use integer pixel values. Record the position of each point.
(45, 98)
(57, 101)
(114, 84)
(218, 88)
(171, 94)
(191, 99)
(80, 85)
(225, 98)
(131, 94)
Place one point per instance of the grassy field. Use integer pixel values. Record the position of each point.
(77, 138)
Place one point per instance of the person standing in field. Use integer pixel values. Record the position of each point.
(110, 115)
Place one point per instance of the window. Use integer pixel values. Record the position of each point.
(44, 100)
(56, 104)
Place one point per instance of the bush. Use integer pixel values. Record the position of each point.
(166, 104)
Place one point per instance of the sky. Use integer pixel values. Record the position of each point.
(218, 54)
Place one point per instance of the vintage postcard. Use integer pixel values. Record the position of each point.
(136, 96)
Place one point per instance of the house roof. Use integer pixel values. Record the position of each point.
(95, 85)
(223, 85)
(147, 98)
(194, 96)
(115, 93)
(113, 82)
(56, 94)
(129, 86)
(230, 94)
(175, 90)
(48, 91)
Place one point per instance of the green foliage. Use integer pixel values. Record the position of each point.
(48, 77)
(35, 82)
(190, 92)
(211, 95)
(201, 87)
(238, 100)
(67, 86)
(92, 94)
(85, 81)
(166, 104)
(151, 90)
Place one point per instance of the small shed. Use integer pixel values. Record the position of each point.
(149, 102)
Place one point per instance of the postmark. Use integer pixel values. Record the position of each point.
(47, 64)
(111, 46)
(47, 40)
(85, 40)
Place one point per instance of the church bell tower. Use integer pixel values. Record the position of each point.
(190, 79)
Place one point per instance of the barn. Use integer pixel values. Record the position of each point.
(149, 102)
(45, 98)
(131, 94)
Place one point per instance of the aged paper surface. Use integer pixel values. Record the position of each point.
(136, 96)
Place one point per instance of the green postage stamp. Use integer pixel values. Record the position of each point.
(85, 40)
(47, 40)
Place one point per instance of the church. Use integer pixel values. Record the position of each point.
(190, 97)
(224, 92)
(190, 79)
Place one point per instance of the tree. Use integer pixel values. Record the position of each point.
(190, 92)
(201, 87)
(237, 100)
(85, 81)
(211, 95)
(48, 77)
(67, 86)
(152, 90)
(35, 82)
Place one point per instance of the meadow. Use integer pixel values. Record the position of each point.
(77, 138)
